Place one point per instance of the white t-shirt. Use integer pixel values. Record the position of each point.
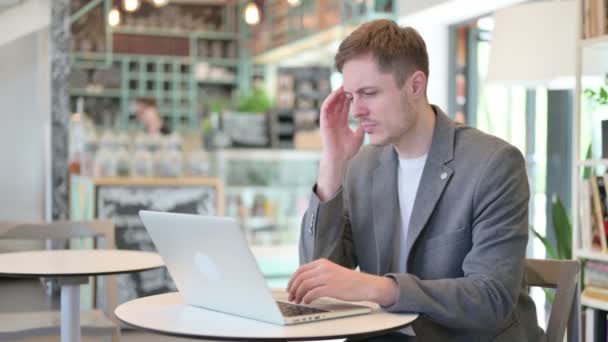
(408, 179)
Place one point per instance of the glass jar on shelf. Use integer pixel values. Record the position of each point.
(123, 162)
(142, 164)
(158, 163)
(105, 163)
(198, 163)
(172, 163)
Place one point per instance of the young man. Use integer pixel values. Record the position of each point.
(434, 214)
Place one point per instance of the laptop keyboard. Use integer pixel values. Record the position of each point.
(291, 310)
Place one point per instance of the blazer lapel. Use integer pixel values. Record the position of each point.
(385, 207)
(435, 177)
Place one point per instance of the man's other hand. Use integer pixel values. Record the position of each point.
(323, 278)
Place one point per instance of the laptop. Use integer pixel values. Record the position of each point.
(212, 266)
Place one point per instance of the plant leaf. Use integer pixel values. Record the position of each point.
(549, 294)
(603, 93)
(550, 250)
(589, 93)
(587, 169)
(562, 228)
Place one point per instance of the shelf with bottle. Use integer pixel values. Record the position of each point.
(97, 92)
(224, 82)
(211, 35)
(163, 77)
(592, 298)
(595, 293)
(591, 254)
(595, 162)
(595, 42)
(275, 188)
(229, 62)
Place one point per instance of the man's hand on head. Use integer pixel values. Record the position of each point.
(323, 278)
(340, 143)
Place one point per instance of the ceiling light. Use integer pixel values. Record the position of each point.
(160, 3)
(114, 17)
(294, 3)
(130, 5)
(252, 13)
(486, 23)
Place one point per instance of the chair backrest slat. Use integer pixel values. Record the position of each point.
(63, 230)
(563, 276)
(59, 230)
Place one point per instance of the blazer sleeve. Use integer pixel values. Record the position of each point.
(493, 269)
(326, 232)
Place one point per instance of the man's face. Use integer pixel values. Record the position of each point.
(139, 108)
(381, 107)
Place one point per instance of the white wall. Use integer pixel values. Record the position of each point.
(20, 20)
(24, 125)
(437, 44)
(409, 7)
(432, 18)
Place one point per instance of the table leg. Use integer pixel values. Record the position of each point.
(70, 309)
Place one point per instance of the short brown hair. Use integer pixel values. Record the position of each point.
(400, 50)
(147, 101)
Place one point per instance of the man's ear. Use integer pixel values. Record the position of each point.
(416, 84)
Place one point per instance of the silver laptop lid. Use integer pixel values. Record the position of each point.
(211, 264)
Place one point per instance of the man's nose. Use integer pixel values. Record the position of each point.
(358, 108)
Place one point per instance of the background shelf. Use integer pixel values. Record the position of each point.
(597, 162)
(595, 42)
(596, 255)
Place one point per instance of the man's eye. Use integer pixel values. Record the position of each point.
(370, 94)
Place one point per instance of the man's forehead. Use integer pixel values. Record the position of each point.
(358, 79)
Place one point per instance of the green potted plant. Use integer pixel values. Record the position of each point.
(248, 126)
(257, 101)
(562, 229)
(600, 96)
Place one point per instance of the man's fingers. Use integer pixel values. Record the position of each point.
(306, 286)
(297, 282)
(317, 292)
(359, 135)
(300, 270)
(330, 101)
(344, 109)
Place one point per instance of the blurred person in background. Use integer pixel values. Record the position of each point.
(146, 112)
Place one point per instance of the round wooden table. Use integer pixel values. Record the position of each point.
(72, 268)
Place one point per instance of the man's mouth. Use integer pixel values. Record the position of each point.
(368, 127)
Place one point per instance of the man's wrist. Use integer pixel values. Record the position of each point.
(330, 179)
(385, 292)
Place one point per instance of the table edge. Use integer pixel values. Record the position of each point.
(68, 275)
(259, 339)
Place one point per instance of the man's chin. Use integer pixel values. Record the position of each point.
(376, 140)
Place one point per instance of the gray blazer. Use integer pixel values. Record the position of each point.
(467, 235)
